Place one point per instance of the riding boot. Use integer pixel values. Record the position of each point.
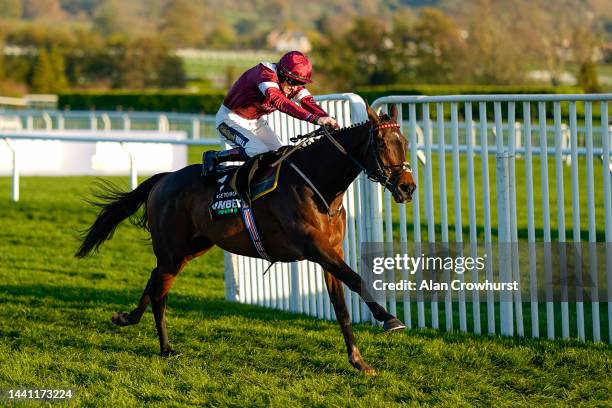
(212, 157)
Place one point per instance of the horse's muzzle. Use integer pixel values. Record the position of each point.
(404, 187)
(403, 192)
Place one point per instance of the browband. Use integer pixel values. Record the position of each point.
(387, 125)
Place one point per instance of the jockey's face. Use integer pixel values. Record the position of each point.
(289, 86)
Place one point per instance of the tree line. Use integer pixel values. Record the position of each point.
(49, 62)
(479, 42)
(118, 44)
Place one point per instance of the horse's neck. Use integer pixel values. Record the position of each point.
(332, 171)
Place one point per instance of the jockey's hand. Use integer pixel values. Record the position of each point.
(328, 121)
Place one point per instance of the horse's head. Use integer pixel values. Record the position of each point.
(388, 162)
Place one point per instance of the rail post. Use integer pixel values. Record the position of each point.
(15, 172)
(133, 170)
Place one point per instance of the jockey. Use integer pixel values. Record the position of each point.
(259, 91)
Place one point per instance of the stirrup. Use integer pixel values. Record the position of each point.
(209, 162)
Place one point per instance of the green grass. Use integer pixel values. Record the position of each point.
(56, 332)
(213, 69)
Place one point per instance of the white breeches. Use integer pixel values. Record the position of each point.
(254, 135)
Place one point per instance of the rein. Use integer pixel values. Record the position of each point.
(285, 157)
(378, 175)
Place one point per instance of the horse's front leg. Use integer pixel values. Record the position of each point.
(336, 294)
(321, 252)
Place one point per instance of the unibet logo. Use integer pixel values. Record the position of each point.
(221, 205)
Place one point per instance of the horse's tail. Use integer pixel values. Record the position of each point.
(116, 206)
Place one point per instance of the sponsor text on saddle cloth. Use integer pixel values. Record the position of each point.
(253, 180)
(226, 202)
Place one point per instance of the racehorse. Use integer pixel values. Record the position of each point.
(295, 222)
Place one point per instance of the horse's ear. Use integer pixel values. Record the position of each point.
(372, 115)
(394, 113)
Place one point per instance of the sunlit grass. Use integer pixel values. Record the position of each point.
(56, 333)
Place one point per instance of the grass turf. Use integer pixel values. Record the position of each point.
(56, 332)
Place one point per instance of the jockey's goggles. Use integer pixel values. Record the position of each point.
(290, 81)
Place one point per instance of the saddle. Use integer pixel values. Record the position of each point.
(258, 176)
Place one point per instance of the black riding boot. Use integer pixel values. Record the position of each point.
(212, 157)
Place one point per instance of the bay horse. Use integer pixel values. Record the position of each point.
(293, 221)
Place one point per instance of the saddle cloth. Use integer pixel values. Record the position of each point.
(249, 182)
(227, 202)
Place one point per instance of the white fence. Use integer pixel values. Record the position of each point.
(119, 134)
(485, 127)
(130, 147)
(40, 156)
(475, 120)
(372, 217)
(195, 126)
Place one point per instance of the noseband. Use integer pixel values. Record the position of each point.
(382, 173)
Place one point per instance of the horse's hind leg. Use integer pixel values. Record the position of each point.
(159, 294)
(156, 292)
(133, 317)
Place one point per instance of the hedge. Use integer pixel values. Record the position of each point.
(161, 101)
(209, 101)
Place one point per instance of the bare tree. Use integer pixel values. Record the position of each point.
(182, 23)
(492, 54)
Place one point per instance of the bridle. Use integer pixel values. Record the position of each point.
(382, 173)
(377, 175)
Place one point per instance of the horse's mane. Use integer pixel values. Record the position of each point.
(384, 118)
(334, 132)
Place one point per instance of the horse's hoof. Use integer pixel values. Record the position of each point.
(121, 319)
(169, 352)
(370, 372)
(363, 367)
(393, 324)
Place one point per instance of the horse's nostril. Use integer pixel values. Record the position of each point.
(404, 187)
